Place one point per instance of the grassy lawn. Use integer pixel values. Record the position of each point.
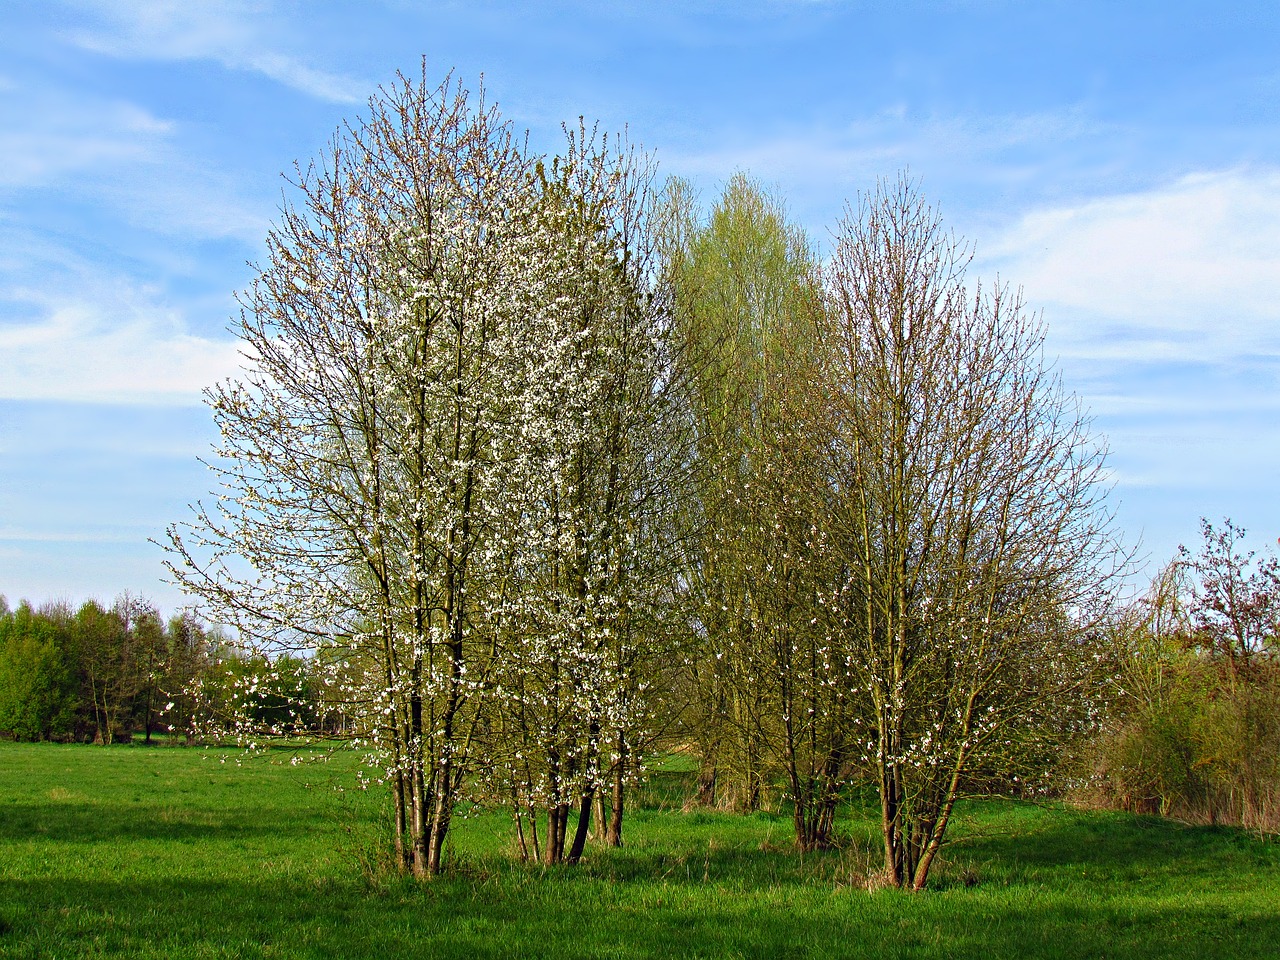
(159, 852)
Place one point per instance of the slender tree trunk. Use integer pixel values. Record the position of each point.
(599, 819)
(614, 836)
(99, 736)
(705, 795)
(584, 822)
(890, 824)
(419, 830)
(524, 847)
(440, 819)
(150, 698)
(557, 827)
(533, 832)
(398, 813)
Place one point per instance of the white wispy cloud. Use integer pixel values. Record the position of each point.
(891, 134)
(821, 166)
(1186, 272)
(45, 136)
(179, 198)
(120, 156)
(1163, 314)
(107, 346)
(237, 35)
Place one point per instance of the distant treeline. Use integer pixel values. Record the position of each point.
(105, 674)
(1190, 729)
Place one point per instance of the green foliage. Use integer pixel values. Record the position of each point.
(1206, 749)
(745, 282)
(173, 854)
(101, 674)
(273, 696)
(37, 681)
(1194, 730)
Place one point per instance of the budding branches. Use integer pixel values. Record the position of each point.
(966, 513)
(510, 448)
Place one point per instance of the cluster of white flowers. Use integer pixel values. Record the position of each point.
(436, 473)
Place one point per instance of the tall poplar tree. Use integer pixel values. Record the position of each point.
(749, 305)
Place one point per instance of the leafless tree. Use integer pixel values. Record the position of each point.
(965, 513)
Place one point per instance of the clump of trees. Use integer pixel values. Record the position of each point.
(101, 674)
(453, 465)
(900, 570)
(1193, 723)
(540, 469)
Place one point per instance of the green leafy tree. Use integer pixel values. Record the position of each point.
(120, 653)
(149, 645)
(189, 652)
(747, 305)
(37, 675)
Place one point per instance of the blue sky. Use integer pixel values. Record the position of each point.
(1120, 161)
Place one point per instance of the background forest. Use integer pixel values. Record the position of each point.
(112, 674)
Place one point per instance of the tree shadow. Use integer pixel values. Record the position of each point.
(576, 916)
(1113, 842)
(91, 823)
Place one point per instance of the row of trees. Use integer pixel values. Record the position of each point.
(100, 674)
(539, 465)
(107, 674)
(898, 567)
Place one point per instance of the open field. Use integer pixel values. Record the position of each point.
(138, 852)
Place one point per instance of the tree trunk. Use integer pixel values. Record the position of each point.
(706, 787)
(584, 822)
(418, 830)
(397, 799)
(557, 824)
(440, 818)
(599, 819)
(614, 836)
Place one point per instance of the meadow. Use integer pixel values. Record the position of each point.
(184, 853)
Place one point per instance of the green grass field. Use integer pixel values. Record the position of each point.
(167, 853)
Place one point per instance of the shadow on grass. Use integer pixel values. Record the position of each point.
(563, 915)
(1048, 883)
(1035, 847)
(99, 823)
(1108, 843)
